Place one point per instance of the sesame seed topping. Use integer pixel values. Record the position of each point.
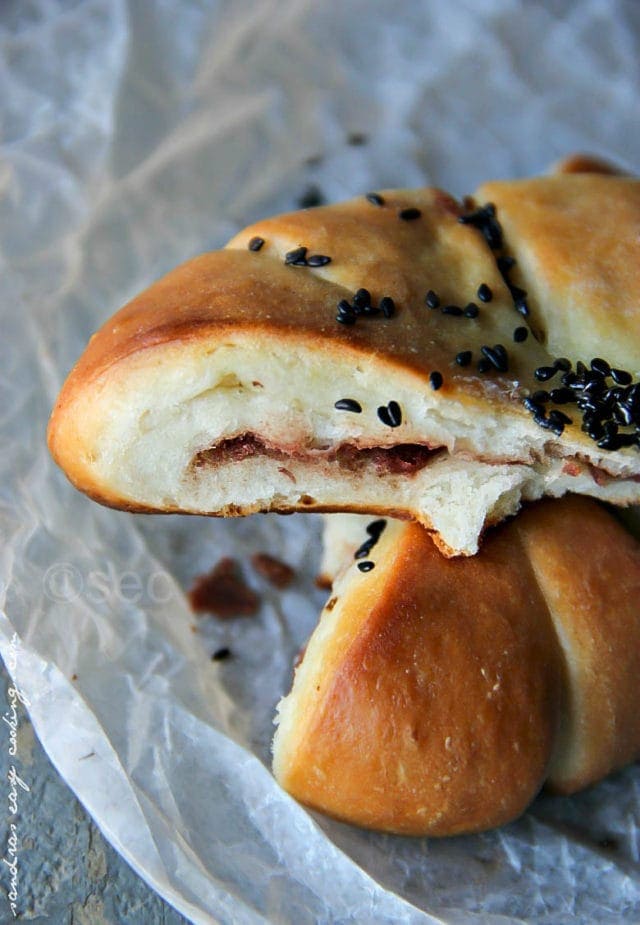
(464, 357)
(432, 300)
(409, 215)
(376, 527)
(255, 244)
(484, 293)
(296, 258)
(387, 306)
(451, 310)
(603, 408)
(484, 365)
(362, 298)
(391, 414)
(366, 566)
(621, 376)
(311, 198)
(375, 199)
(346, 317)
(435, 380)
(484, 219)
(520, 334)
(559, 416)
(497, 356)
(374, 531)
(221, 654)
(505, 264)
(318, 260)
(562, 396)
(471, 310)
(348, 404)
(543, 373)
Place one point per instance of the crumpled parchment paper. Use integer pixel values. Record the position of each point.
(132, 136)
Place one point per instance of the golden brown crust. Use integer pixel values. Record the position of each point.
(437, 695)
(577, 242)
(588, 163)
(132, 385)
(430, 704)
(588, 568)
(235, 289)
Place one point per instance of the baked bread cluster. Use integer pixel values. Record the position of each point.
(406, 355)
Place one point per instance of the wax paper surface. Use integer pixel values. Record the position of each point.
(132, 136)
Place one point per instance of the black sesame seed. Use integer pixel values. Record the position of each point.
(395, 413)
(255, 244)
(484, 365)
(484, 220)
(600, 366)
(562, 396)
(409, 215)
(471, 310)
(451, 310)
(345, 318)
(221, 654)
(375, 199)
(311, 198)
(562, 363)
(318, 260)
(387, 306)
(484, 293)
(432, 300)
(520, 335)
(497, 357)
(541, 396)
(366, 566)
(542, 373)
(391, 414)
(616, 441)
(376, 527)
(363, 551)
(505, 264)
(623, 414)
(621, 376)
(362, 298)
(581, 369)
(345, 307)
(296, 257)
(464, 357)
(435, 380)
(533, 406)
(521, 307)
(517, 293)
(542, 421)
(348, 404)
(559, 417)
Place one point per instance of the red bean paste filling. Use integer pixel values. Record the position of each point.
(405, 458)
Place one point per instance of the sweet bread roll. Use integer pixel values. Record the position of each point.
(436, 696)
(376, 356)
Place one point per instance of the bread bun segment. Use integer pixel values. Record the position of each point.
(426, 702)
(437, 696)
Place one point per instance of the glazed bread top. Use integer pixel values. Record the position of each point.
(372, 355)
(437, 696)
